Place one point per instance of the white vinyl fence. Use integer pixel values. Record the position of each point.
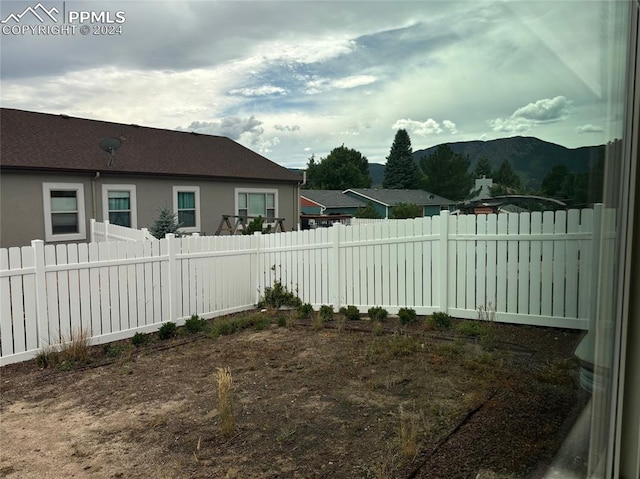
(533, 268)
(105, 231)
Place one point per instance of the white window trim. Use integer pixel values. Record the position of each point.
(132, 196)
(256, 190)
(188, 189)
(46, 199)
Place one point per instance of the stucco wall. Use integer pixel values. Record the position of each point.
(22, 210)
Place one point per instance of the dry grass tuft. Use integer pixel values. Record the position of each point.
(225, 402)
(407, 435)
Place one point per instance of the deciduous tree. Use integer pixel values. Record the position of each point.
(447, 173)
(343, 168)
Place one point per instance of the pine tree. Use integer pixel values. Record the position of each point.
(483, 168)
(401, 172)
(166, 222)
(447, 173)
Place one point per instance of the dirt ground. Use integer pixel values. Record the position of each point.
(408, 403)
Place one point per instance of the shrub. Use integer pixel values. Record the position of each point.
(305, 310)
(166, 222)
(350, 312)
(167, 330)
(471, 328)
(278, 295)
(377, 313)
(441, 320)
(407, 315)
(326, 312)
(195, 324)
(406, 210)
(282, 321)
(112, 350)
(140, 339)
(227, 326)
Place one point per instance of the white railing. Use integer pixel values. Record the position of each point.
(534, 269)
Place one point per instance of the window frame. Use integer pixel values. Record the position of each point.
(187, 189)
(265, 191)
(49, 236)
(132, 202)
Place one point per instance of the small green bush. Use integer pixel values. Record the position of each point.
(326, 312)
(227, 326)
(350, 312)
(167, 330)
(278, 295)
(140, 339)
(441, 320)
(305, 310)
(282, 322)
(407, 315)
(377, 313)
(195, 324)
(112, 350)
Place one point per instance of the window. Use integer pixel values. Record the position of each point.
(119, 205)
(186, 202)
(256, 203)
(64, 217)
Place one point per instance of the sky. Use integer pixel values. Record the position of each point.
(292, 79)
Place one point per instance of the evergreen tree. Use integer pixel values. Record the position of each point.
(507, 178)
(447, 173)
(483, 168)
(343, 168)
(400, 171)
(166, 222)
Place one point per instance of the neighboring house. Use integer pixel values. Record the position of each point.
(482, 189)
(384, 200)
(54, 177)
(329, 202)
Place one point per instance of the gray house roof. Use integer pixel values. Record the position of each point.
(393, 197)
(46, 142)
(332, 199)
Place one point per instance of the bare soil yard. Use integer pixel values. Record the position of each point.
(309, 403)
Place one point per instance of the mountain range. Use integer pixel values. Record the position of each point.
(530, 157)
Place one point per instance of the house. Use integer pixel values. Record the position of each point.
(384, 200)
(57, 172)
(329, 202)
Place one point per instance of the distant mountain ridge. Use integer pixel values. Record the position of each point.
(530, 157)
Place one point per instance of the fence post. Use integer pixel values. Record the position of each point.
(596, 244)
(106, 230)
(92, 230)
(444, 261)
(145, 233)
(41, 294)
(171, 272)
(335, 273)
(257, 237)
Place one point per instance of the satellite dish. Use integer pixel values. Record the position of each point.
(110, 145)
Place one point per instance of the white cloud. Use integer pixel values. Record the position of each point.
(425, 128)
(589, 128)
(287, 127)
(547, 110)
(232, 127)
(259, 91)
(320, 85)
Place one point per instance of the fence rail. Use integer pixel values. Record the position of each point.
(536, 269)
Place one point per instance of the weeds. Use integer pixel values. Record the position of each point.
(318, 322)
(69, 354)
(407, 435)
(488, 315)
(225, 402)
(228, 326)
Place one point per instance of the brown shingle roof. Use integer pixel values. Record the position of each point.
(30, 140)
